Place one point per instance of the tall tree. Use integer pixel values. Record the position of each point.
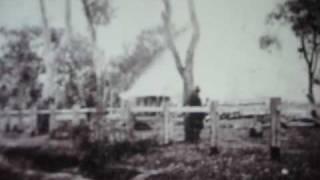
(73, 67)
(89, 18)
(304, 18)
(98, 12)
(68, 16)
(185, 71)
(45, 23)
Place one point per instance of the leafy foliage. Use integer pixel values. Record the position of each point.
(303, 15)
(268, 41)
(101, 11)
(74, 68)
(304, 18)
(97, 12)
(20, 66)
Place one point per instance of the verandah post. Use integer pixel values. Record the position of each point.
(275, 128)
(214, 119)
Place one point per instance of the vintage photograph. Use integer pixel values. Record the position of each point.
(159, 90)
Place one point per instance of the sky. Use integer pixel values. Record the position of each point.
(228, 61)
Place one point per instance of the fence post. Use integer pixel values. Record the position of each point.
(214, 117)
(128, 120)
(275, 128)
(166, 122)
(34, 115)
(52, 117)
(20, 117)
(131, 121)
(7, 117)
(170, 122)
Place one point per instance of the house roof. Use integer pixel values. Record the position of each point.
(222, 83)
(160, 79)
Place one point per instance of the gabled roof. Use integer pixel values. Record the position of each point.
(160, 79)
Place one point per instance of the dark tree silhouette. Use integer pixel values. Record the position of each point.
(20, 65)
(304, 18)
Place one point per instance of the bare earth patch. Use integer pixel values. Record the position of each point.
(240, 157)
(300, 160)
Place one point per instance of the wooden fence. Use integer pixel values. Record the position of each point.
(272, 107)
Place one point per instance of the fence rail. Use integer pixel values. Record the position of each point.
(275, 108)
(250, 108)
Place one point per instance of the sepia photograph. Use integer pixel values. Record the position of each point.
(159, 90)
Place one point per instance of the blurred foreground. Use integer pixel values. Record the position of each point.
(240, 157)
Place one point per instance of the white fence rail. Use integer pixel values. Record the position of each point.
(240, 109)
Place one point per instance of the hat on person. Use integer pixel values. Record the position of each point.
(197, 89)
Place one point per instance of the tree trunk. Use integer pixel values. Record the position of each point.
(68, 17)
(311, 80)
(185, 72)
(45, 23)
(310, 94)
(90, 20)
(97, 135)
(188, 82)
(48, 61)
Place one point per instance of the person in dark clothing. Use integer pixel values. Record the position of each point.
(193, 121)
(43, 119)
(90, 103)
(4, 96)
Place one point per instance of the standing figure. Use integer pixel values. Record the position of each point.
(43, 123)
(194, 121)
(4, 96)
(90, 103)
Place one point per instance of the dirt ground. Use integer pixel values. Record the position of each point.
(240, 157)
(300, 159)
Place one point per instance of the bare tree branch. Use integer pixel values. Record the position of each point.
(304, 50)
(68, 16)
(45, 22)
(314, 54)
(196, 33)
(316, 62)
(90, 20)
(166, 17)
